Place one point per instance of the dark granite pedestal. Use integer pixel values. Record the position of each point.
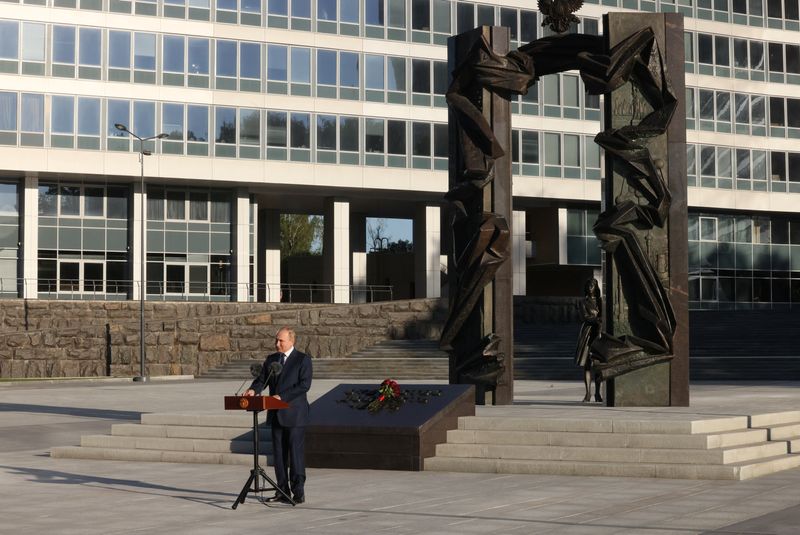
(341, 436)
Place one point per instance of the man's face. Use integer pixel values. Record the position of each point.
(282, 341)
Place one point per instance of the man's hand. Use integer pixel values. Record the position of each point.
(249, 392)
(276, 396)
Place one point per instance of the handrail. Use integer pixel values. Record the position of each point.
(120, 290)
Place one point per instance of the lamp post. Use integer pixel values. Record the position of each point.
(142, 253)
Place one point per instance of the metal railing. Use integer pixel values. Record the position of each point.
(122, 290)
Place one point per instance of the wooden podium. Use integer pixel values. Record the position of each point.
(256, 404)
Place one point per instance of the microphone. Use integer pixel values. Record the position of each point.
(275, 369)
(255, 371)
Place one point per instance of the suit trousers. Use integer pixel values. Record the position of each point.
(288, 449)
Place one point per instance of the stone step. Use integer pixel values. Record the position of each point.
(185, 431)
(784, 432)
(172, 444)
(734, 471)
(608, 440)
(615, 455)
(239, 419)
(143, 455)
(775, 419)
(794, 445)
(599, 425)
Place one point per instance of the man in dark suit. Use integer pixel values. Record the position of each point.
(288, 425)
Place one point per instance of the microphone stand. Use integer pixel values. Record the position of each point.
(257, 471)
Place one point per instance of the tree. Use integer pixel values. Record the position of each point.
(376, 230)
(300, 234)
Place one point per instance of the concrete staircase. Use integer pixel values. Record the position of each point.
(737, 448)
(176, 438)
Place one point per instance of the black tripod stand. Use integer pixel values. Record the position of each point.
(257, 473)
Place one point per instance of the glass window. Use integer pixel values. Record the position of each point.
(144, 118)
(776, 57)
(198, 56)
(465, 17)
(277, 63)
(144, 51)
(420, 76)
(441, 16)
(197, 123)
(250, 127)
(61, 117)
(485, 15)
(70, 200)
(278, 7)
(397, 13)
(373, 12)
(225, 125)
(758, 110)
(32, 113)
(723, 107)
(9, 39)
(172, 121)
(326, 67)
(90, 46)
(119, 49)
(119, 112)
(8, 199)
(396, 137)
(349, 11)
(759, 164)
(572, 151)
(226, 58)
(530, 146)
(326, 10)
(301, 65)
(793, 112)
(301, 8)
(756, 7)
(421, 15)
(326, 132)
(48, 200)
(173, 53)
(64, 44)
(176, 205)
(793, 59)
(705, 48)
(756, 55)
(776, 112)
(508, 18)
(743, 164)
(742, 104)
(348, 134)
(373, 135)
(88, 116)
(722, 54)
(778, 166)
(229, 5)
(740, 53)
(301, 131)
(32, 41)
(93, 200)
(706, 104)
(552, 146)
(198, 206)
(276, 129)
(373, 75)
(440, 77)
(724, 162)
(251, 6)
(707, 161)
(348, 69)
(528, 26)
(421, 139)
(440, 140)
(8, 112)
(220, 209)
(396, 74)
(250, 60)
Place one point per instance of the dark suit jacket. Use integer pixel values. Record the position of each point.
(291, 385)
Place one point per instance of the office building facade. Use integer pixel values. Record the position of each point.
(336, 107)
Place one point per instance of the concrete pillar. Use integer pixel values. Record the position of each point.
(241, 242)
(562, 236)
(358, 245)
(519, 252)
(269, 253)
(135, 232)
(427, 251)
(336, 248)
(29, 235)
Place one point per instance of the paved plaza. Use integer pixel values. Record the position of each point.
(39, 494)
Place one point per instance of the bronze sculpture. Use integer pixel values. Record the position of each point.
(480, 237)
(591, 307)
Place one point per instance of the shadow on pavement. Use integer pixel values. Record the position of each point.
(108, 414)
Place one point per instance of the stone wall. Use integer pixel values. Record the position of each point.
(94, 338)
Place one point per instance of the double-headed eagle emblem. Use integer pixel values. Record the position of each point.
(558, 14)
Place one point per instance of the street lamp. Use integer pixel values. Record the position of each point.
(142, 253)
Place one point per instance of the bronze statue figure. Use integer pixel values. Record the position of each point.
(591, 310)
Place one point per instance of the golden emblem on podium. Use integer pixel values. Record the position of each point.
(244, 402)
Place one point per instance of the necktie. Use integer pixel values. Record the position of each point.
(283, 359)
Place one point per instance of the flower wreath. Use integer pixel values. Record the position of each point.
(388, 395)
